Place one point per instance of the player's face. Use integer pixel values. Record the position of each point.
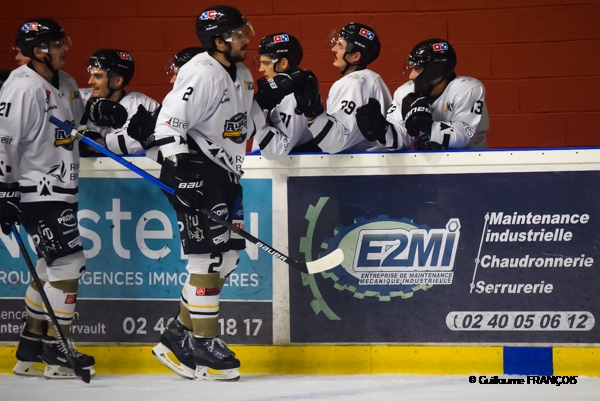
(338, 50)
(175, 71)
(416, 70)
(98, 82)
(266, 66)
(57, 50)
(19, 57)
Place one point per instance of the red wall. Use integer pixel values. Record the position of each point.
(539, 59)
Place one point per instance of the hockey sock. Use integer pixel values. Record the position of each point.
(203, 294)
(184, 316)
(62, 296)
(35, 310)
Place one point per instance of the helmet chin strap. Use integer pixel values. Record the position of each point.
(348, 65)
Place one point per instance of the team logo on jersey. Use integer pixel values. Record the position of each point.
(75, 95)
(281, 38)
(125, 56)
(58, 171)
(30, 26)
(211, 14)
(249, 85)
(438, 47)
(64, 139)
(48, 96)
(366, 33)
(67, 218)
(236, 127)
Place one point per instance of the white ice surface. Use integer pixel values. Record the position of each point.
(297, 387)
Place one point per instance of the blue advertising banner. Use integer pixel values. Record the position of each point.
(136, 267)
(489, 257)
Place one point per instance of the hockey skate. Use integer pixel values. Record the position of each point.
(214, 360)
(176, 341)
(29, 355)
(57, 363)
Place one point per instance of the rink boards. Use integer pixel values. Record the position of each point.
(456, 262)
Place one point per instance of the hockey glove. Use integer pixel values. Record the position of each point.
(141, 127)
(106, 113)
(86, 150)
(371, 123)
(188, 185)
(272, 91)
(10, 197)
(417, 115)
(308, 98)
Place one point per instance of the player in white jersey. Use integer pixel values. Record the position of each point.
(41, 162)
(282, 53)
(354, 48)
(111, 70)
(203, 127)
(141, 124)
(435, 109)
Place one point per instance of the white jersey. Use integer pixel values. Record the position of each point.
(292, 131)
(34, 152)
(217, 113)
(117, 140)
(460, 116)
(337, 130)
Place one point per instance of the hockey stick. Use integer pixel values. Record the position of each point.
(81, 373)
(327, 262)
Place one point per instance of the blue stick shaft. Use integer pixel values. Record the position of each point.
(73, 132)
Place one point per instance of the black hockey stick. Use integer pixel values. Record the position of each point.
(81, 373)
(327, 262)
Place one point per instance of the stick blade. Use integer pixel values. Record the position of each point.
(83, 374)
(327, 262)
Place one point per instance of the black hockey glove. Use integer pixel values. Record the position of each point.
(371, 123)
(86, 150)
(188, 185)
(272, 91)
(417, 115)
(106, 113)
(308, 97)
(141, 127)
(10, 197)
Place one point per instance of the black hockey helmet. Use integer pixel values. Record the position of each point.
(219, 21)
(114, 62)
(280, 45)
(186, 55)
(361, 38)
(39, 32)
(437, 58)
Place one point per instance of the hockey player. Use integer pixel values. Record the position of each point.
(281, 53)
(142, 123)
(354, 48)
(182, 57)
(110, 71)
(203, 127)
(39, 169)
(435, 109)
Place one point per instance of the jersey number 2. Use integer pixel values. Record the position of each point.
(188, 92)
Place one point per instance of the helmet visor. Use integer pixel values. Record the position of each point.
(336, 39)
(170, 66)
(57, 45)
(244, 33)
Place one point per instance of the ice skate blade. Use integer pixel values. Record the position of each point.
(23, 368)
(61, 372)
(162, 353)
(225, 375)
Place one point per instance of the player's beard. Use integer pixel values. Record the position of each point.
(238, 56)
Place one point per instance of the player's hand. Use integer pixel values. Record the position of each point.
(188, 185)
(308, 97)
(10, 198)
(106, 113)
(417, 115)
(141, 127)
(371, 123)
(272, 91)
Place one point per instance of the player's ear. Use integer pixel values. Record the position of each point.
(220, 44)
(356, 57)
(38, 53)
(285, 64)
(119, 80)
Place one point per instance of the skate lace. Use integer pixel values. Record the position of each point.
(61, 347)
(224, 348)
(186, 344)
